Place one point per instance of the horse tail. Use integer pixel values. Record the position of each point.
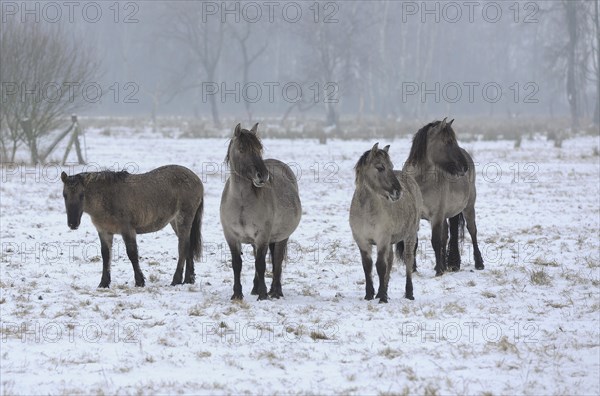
(400, 251)
(461, 227)
(457, 227)
(196, 232)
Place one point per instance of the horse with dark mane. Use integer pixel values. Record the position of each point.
(385, 210)
(445, 173)
(260, 206)
(130, 204)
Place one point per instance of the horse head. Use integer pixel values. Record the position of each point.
(74, 195)
(436, 144)
(375, 170)
(244, 156)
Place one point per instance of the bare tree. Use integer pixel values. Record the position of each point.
(570, 9)
(334, 58)
(571, 60)
(596, 63)
(43, 71)
(244, 37)
(204, 39)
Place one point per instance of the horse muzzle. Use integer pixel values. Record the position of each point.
(394, 195)
(260, 181)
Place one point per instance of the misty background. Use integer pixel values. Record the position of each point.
(332, 61)
(369, 49)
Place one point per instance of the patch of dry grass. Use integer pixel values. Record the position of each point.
(540, 277)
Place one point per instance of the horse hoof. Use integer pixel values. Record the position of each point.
(237, 296)
(410, 297)
(383, 300)
(190, 281)
(479, 267)
(262, 297)
(103, 285)
(254, 291)
(369, 297)
(453, 269)
(275, 294)
(439, 273)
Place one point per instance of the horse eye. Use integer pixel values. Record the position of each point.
(380, 168)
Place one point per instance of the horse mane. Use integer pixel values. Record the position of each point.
(450, 133)
(247, 141)
(364, 160)
(107, 176)
(419, 144)
(418, 149)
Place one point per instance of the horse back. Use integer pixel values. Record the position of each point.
(411, 200)
(286, 198)
(146, 202)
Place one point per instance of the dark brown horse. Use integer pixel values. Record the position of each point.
(446, 175)
(129, 204)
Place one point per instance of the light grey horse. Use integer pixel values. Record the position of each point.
(260, 205)
(385, 210)
(129, 204)
(446, 175)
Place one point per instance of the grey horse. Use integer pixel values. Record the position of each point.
(445, 173)
(260, 206)
(385, 210)
(130, 204)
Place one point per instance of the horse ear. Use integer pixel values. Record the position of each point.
(386, 148)
(238, 130)
(63, 177)
(443, 125)
(450, 123)
(375, 148)
(254, 128)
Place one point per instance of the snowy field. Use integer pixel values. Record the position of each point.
(527, 324)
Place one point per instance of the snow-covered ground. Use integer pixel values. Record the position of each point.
(527, 324)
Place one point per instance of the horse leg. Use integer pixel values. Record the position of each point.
(236, 263)
(132, 253)
(260, 266)
(414, 268)
(187, 256)
(368, 268)
(277, 255)
(255, 282)
(469, 214)
(436, 243)
(444, 243)
(183, 249)
(453, 252)
(106, 241)
(408, 258)
(383, 268)
(190, 273)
